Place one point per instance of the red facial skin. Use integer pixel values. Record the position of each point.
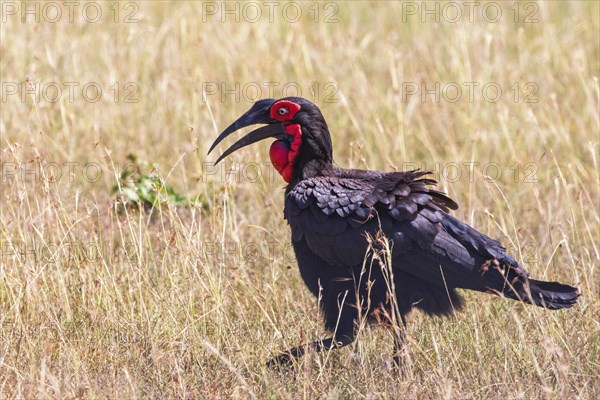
(290, 107)
(282, 158)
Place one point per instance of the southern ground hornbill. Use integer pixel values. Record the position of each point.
(349, 225)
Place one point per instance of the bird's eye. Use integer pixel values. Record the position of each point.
(282, 111)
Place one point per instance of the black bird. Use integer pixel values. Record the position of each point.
(341, 219)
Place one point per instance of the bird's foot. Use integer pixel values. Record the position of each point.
(283, 360)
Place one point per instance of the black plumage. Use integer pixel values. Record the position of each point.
(337, 215)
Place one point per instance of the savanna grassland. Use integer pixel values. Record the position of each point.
(187, 296)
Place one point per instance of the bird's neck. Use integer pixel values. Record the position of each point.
(313, 167)
(315, 158)
(310, 169)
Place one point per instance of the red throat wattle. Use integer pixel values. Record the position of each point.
(283, 158)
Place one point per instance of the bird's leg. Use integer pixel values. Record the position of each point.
(287, 358)
(400, 350)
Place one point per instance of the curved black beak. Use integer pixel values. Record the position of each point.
(256, 135)
(258, 114)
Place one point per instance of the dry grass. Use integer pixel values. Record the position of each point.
(190, 303)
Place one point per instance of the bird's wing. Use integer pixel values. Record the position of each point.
(334, 214)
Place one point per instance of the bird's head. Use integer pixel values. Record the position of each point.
(302, 146)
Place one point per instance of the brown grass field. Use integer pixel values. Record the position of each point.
(189, 300)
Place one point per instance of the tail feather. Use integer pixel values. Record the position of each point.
(551, 295)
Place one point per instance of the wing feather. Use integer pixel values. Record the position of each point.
(335, 213)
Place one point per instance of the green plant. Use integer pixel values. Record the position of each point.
(141, 186)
